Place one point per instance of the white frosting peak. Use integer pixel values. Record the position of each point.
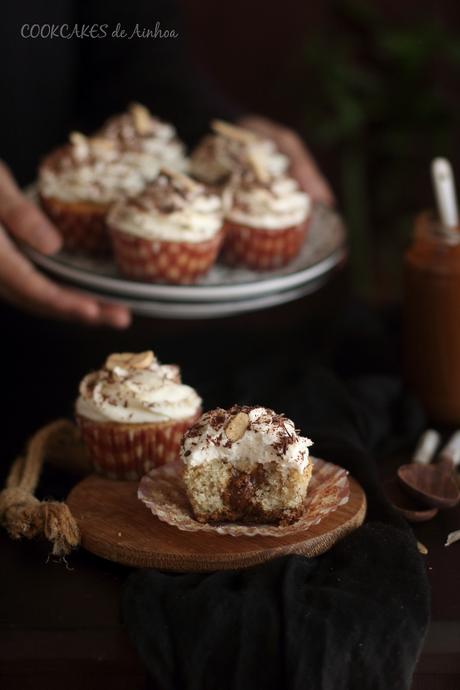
(269, 437)
(217, 157)
(172, 208)
(271, 205)
(127, 394)
(139, 132)
(115, 163)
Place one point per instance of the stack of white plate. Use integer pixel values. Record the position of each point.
(224, 291)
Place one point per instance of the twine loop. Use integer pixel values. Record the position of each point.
(21, 513)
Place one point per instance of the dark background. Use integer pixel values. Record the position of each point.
(372, 86)
(373, 89)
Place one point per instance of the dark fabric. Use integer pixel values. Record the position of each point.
(53, 85)
(354, 617)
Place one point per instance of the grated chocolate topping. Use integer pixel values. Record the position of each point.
(277, 435)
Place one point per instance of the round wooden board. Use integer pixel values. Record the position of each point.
(116, 525)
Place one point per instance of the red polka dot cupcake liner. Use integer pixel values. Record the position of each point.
(82, 225)
(260, 249)
(128, 451)
(158, 261)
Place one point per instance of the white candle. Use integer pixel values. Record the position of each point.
(451, 450)
(444, 189)
(426, 447)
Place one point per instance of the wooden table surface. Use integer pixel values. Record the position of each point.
(60, 625)
(439, 665)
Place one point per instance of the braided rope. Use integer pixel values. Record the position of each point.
(21, 513)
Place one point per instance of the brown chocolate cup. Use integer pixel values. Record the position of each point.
(158, 261)
(128, 451)
(81, 224)
(260, 249)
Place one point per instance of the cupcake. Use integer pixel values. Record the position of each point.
(79, 182)
(246, 464)
(266, 219)
(132, 414)
(221, 154)
(171, 232)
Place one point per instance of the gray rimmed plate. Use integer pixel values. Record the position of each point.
(324, 249)
(210, 310)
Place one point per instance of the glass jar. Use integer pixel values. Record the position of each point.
(432, 319)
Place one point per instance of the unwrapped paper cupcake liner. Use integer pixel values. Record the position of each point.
(128, 451)
(260, 249)
(82, 226)
(163, 491)
(160, 261)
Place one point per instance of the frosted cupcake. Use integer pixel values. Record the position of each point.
(266, 219)
(171, 232)
(79, 182)
(221, 154)
(246, 464)
(132, 414)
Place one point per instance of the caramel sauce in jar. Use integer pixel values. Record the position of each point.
(432, 319)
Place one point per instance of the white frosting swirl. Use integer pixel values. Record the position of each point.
(151, 146)
(136, 396)
(116, 163)
(101, 181)
(272, 205)
(217, 157)
(269, 437)
(173, 209)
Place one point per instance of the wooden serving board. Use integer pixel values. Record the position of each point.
(116, 525)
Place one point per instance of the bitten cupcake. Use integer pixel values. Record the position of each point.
(221, 154)
(246, 464)
(171, 232)
(266, 219)
(132, 414)
(79, 182)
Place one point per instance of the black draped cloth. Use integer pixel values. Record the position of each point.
(354, 617)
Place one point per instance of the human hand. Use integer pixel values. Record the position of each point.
(303, 166)
(20, 282)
